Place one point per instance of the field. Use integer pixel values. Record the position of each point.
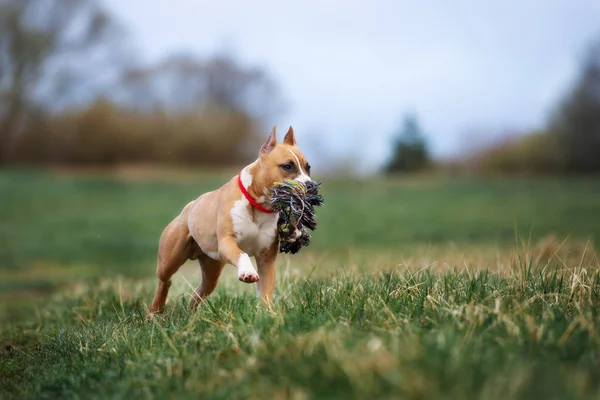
(416, 288)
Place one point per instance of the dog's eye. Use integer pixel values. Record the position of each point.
(308, 168)
(287, 167)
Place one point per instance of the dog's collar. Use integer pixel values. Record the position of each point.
(250, 199)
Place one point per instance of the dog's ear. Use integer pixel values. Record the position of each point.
(289, 137)
(270, 143)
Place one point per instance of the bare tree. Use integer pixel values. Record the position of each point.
(183, 83)
(217, 95)
(52, 52)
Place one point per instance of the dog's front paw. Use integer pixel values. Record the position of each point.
(248, 276)
(246, 271)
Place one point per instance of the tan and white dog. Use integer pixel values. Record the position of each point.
(231, 224)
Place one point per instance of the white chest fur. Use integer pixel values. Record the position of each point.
(252, 236)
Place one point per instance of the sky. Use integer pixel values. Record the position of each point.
(350, 70)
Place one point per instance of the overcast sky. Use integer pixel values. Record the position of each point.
(350, 69)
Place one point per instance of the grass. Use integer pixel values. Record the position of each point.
(411, 289)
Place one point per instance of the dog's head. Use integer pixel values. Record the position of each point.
(281, 161)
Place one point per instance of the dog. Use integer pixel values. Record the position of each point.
(231, 224)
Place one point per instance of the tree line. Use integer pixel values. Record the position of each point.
(73, 92)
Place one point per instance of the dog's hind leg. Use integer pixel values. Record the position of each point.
(211, 271)
(173, 251)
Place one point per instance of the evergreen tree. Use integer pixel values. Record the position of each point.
(410, 148)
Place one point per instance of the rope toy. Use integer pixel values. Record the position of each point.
(295, 202)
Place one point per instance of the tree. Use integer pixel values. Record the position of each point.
(410, 152)
(69, 94)
(183, 86)
(576, 123)
(51, 52)
(185, 83)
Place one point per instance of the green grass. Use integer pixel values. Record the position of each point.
(411, 289)
(409, 335)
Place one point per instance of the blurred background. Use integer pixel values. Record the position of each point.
(492, 87)
(430, 102)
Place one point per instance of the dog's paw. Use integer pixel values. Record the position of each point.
(246, 271)
(248, 277)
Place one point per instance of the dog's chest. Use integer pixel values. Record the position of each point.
(252, 236)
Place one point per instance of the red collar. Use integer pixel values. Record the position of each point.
(250, 199)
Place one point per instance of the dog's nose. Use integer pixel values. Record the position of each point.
(303, 178)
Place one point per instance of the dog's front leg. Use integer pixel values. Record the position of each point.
(266, 270)
(232, 254)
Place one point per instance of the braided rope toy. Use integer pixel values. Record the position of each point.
(295, 202)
